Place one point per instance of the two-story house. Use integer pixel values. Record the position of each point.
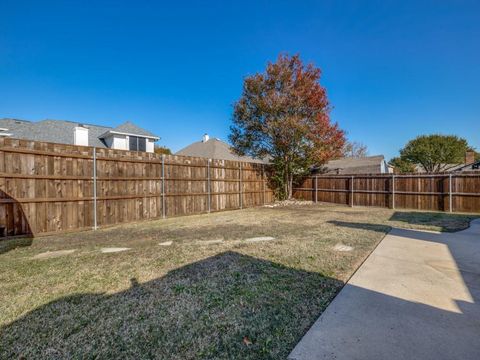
(126, 136)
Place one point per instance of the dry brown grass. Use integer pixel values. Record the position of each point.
(193, 299)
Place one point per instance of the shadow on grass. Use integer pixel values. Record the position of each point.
(203, 310)
(447, 222)
(13, 243)
(362, 226)
(444, 222)
(233, 306)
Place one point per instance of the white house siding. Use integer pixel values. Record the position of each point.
(382, 167)
(120, 142)
(80, 136)
(150, 145)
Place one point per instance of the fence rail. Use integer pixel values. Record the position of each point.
(442, 192)
(46, 187)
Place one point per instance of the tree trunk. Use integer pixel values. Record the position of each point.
(286, 172)
(290, 186)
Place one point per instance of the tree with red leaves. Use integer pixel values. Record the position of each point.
(284, 115)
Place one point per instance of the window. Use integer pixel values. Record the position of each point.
(137, 143)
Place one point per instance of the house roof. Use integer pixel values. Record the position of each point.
(351, 165)
(214, 149)
(132, 129)
(474, 166)
(62, 131)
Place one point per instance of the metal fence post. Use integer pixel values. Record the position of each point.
(209, 200)
(164, 213)
(351, 191)
(263, 182)
(393, 191)
(316, 189)
(95, 189)
(450, 200)
(240, 185)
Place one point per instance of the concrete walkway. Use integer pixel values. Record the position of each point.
(416, 297)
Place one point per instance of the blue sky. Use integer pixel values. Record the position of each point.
(393, 70)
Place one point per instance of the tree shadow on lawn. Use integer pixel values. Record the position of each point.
(226, 306)
(13, 243)
(233, 306)
(446, 222)
(361, 226)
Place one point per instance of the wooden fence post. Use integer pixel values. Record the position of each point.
(240, 185)
(450, 200)
(316, 187)
(351, 190)
(95, 189)
(209, 200)
(263, 182)
(393, 191)
(164, 213)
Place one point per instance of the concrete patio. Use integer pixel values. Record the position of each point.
(416, 297)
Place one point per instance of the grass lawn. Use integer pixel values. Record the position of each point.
(210, 294)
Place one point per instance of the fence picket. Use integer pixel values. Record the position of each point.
(47, 187)
(413, 191)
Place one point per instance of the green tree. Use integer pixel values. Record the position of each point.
(283, 115)
(435, 153)
(162, 150)
(402, 166)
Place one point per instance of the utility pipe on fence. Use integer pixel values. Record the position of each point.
(393, 191)
(351, 190)
(209, 200)
(240, 185)
(94, 188)
(263, 182)
(163, 187)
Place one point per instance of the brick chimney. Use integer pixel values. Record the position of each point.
(469, 157)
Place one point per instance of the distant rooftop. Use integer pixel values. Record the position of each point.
(355, 165)
(213, 148)
(62, 131)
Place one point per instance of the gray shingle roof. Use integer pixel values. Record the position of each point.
(351, 165)
(130, 128)
(475, 166)
(214, 149)
(59, 131)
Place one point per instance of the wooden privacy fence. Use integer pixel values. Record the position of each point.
(442, 192)
(46, 187)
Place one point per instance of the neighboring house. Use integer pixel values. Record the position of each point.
(475, 166)
(126, 136)
(470, 164)
(214, 149)
(352, 165)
